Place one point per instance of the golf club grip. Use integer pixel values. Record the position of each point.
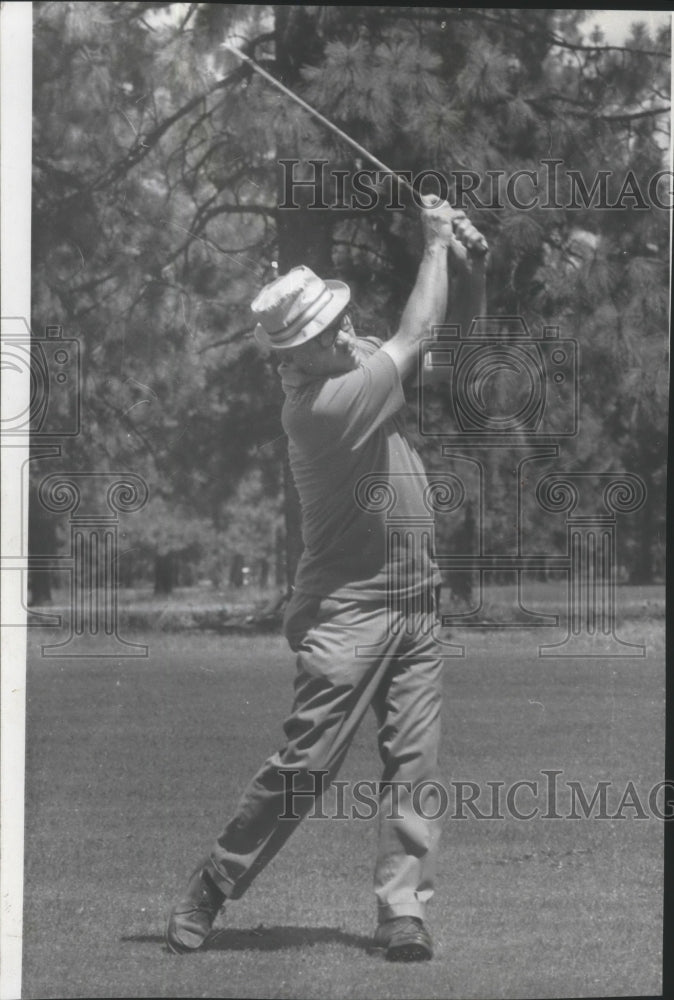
(472, 238)
(464, 230)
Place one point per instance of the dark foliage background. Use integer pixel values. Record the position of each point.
(156, 220)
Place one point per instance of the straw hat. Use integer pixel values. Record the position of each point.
(296, 307)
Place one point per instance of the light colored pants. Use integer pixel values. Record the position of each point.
(400, 676)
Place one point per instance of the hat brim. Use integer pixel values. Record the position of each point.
(340, 298)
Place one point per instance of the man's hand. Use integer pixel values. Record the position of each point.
(442, 226)
(427, 305)
(437, 220)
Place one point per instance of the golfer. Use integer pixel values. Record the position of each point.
(361, 626)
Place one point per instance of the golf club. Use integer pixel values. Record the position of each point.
(465, 230)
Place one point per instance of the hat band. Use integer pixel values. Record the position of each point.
(289, 330)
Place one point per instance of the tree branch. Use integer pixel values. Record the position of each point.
(552, 38)
(627, 116)
(188, 15)
(480, 14)
(624, 116)
(145, 143)
(227, 340)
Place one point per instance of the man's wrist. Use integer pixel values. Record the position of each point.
(435, 245)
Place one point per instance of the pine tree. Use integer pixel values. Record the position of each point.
(156, 213)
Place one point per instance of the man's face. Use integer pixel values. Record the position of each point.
(334, 351)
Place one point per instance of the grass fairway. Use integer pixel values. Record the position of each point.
(132, 767)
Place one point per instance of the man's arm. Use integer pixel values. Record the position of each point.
(427, 305)
(468, 300)
(469, 291)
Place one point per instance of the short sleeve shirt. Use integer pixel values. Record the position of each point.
(346, 433)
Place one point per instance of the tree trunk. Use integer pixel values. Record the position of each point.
(164, 573)
(262, 572)
(280, 557)
(41, 542)
(293, 524)
(236, 571)
(304, 235)
(642, 571)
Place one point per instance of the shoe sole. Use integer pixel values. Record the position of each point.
(176, 948)
(408, 953)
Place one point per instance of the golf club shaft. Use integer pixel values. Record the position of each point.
(469, 235)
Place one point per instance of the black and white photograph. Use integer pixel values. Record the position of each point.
(335, 389)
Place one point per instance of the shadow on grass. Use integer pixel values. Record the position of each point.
(267, 938)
